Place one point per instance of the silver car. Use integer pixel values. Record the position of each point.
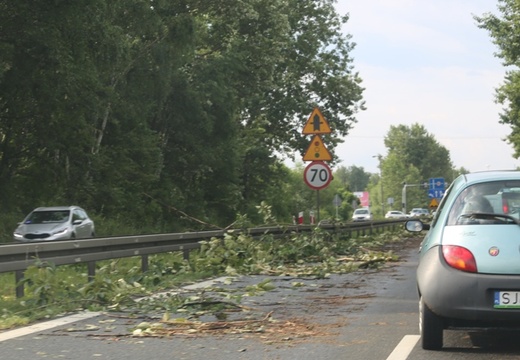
(55, 223)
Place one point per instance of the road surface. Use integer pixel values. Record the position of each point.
(367, 314)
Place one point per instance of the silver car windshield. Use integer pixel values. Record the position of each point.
(495, 202)
(42, 217)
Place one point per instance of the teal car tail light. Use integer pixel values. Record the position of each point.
(459, 258)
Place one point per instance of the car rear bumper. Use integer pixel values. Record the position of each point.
(466, 299)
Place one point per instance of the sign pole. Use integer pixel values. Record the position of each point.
(317, 174)
(318, 206)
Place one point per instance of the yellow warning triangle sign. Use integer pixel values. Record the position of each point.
(316, 124)
(434, 203)
(317, 151)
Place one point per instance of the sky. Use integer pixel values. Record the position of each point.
(426, 62)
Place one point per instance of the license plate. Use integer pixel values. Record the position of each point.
(507, 300)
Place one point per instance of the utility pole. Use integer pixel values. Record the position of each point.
(405, 185)
(403, 196)
(379, 157)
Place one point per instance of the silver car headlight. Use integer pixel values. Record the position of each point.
(60, 232)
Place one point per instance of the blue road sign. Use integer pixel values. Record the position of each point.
(435, 194)
(437, 187)
(437, 184)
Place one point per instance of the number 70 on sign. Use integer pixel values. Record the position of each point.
(317, 175)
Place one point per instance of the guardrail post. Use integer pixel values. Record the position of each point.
(144, 263)
(19, 274)
(91, 265)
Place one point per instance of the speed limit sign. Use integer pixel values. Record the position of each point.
(317, 175)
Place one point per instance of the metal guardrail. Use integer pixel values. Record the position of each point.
(18, 257)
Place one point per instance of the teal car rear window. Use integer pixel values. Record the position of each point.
(494, 202)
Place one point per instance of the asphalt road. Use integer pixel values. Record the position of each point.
(367, 314)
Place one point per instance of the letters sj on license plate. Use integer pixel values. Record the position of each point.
(507, 300)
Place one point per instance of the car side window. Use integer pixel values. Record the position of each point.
(440, 208)
(77, 216)
(457, 208)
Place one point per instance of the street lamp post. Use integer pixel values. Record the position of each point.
(405, 185)
(379, 157)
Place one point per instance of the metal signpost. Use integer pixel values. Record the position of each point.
(435, 191)
(337, 203)
(317, 174)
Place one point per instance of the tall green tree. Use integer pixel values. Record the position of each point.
(157, 113)
(413, 157)
(283, 58)
(44, 129)
(355, 177)
(504, 30)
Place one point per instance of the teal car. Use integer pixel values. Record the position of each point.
(468, 275)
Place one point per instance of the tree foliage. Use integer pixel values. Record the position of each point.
(144, 111)
(504, 30)
(355, 177)
(414, 156)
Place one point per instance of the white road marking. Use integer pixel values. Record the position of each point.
(27, 330)
(404, 348)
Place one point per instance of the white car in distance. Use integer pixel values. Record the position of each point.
(396, 214)
(362, 214)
